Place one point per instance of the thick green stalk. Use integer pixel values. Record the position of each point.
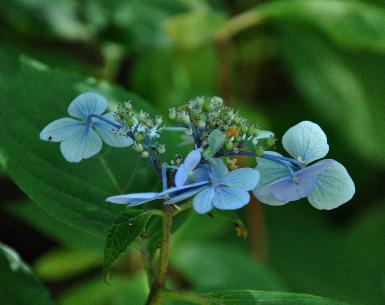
(161, 276)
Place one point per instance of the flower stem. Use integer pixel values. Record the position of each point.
(160, 279)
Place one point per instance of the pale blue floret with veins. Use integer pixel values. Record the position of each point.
(81, 136)
(224, 189)
(326, 184)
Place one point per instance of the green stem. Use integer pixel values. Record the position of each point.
(188, 297)
(238, 24)
(161, 276)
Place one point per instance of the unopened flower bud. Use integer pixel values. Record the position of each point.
(229, 145)
(117, 117)
(216, 101)
(259, 150)
(270, 141)
(172, 113)
(138, 147)
(158, 120)
(161, 149)
(188, 132)
(145, 154)
(139, 137)
(201, 124)
(128, 105)
(143, 116)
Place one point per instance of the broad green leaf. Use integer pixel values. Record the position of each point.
(126, 228)
(331, 79)
(212, 266)
(62, 264)
(124, 290)
(75, 194)
(353, 24)
(250, 297)
(216, 141)
(59, 231)
(18, 286)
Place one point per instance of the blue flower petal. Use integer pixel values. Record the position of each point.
(218, 169)
(243, 178)
(306, 142)
(269, 171)
(298, 186)
(202, 202)
(83, 144)
(87, 103)
(173, 191)
(227, 198)
(105, 131)
(133, 199)
(185, 194)
(60, 129)
(191, 162)
(333, 188)
(201, 173)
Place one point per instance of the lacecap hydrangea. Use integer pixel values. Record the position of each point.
(209, 175)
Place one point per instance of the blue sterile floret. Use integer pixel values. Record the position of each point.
(81, 137)
(326, 184)
(215, 186)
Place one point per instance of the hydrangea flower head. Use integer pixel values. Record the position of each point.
(81, 136)
(326, 184)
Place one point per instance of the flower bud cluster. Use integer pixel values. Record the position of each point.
(143, 129)
(202, 115)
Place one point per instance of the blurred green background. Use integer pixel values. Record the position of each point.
(318, 60)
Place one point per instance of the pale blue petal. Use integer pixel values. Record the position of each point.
(133, 199)
(60, 129)
(181, 176)
(202, 202)
(173, 191)
(191, 162)
(218, 169)
(185, 194)
(83, 144)
(105, 131)
(333, 188)
(243, 178)
(269, 171)
(87, 103)
(264, 134)
(306, 142)
(298, 186)
(201, 173)
(226, 198)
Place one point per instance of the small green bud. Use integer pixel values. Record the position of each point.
(158, 120)
(172, 113)
(189, 132)
(161, 149)
(185, 118)
(270, 142)
(259, 150)
(229, 145)
(128, 105)
(216, 102)
(207, 107)
(139, 137)
(244, 128)
(145, 154)
(201, 124)
(138, 147)
(117, 118)
(143, 116)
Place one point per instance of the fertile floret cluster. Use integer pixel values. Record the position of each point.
(202, 115)
(143, 129)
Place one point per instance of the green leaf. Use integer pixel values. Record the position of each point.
(62, 264)
(125, 290)
(124, 231)
(199, 262)
(18, 286)
(353, 24)
(53, 228)
(332, 79)
(216, 141)
(73, 193)
(250, 297)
